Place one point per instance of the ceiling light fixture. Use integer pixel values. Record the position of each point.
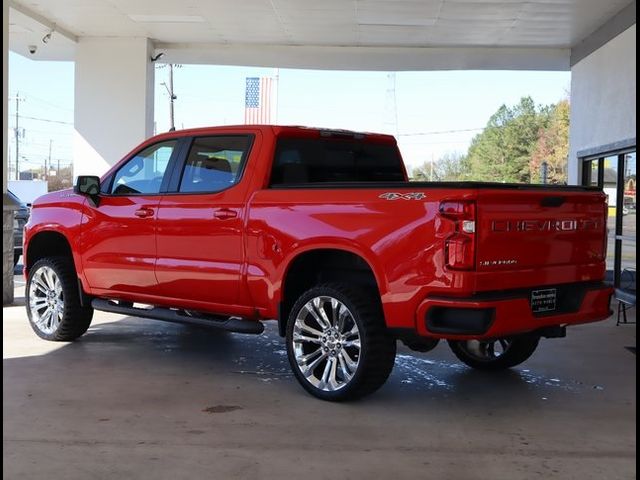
(166, 18)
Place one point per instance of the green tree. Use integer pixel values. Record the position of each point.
(503, 151)
(552, 146)
(451, 167)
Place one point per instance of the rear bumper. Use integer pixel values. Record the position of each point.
(501, 314)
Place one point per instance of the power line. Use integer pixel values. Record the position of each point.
(48, 132)
(43, 120)
(45, 102)
(38, 144)
(453, 142)
(440, 132)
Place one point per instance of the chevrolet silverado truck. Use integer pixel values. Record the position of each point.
(322, 231)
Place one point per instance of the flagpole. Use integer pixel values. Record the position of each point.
(277, 94)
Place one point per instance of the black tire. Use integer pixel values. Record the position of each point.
(16, 258)
(518, 349)
(75, 319)
(376, 350)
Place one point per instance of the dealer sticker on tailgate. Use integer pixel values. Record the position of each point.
(543, 300)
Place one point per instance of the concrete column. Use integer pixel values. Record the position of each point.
(114, 83)
(603, 100)
(7, 205)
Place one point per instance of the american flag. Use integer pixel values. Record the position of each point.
(257, 100)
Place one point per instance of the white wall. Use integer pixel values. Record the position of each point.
(28, 190)
(114, 83)
(603, 98)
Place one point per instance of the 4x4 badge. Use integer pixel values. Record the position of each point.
(403, 196)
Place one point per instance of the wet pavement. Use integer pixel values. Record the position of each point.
(136, 398)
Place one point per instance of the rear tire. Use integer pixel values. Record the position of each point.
(337, 342)
(498, 354)
(53, 301)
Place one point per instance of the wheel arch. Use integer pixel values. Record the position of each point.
(46, 243)
(321, 264)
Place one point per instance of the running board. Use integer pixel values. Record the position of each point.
(230, 324)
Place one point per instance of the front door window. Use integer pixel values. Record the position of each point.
(143, 173)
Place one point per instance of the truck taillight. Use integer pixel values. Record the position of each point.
(460, 246)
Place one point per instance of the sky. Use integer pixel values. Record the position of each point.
(415, 106)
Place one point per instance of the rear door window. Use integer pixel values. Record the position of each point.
(214, 163)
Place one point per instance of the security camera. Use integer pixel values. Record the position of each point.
(32, 49)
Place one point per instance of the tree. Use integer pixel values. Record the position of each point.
(553, 146)
(61, 180)
(503, 151)
(451, 167)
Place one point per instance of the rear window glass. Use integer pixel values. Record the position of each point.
(319, 160)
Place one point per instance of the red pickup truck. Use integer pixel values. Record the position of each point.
(321, 230)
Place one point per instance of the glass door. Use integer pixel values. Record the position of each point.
(616, 175)
(626, 239)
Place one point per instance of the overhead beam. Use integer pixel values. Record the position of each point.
(367, 58)
(621, 21)
(45, 22)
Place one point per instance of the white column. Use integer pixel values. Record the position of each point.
(603, 99)
(5, 89)
(114, 83)
(7, 207)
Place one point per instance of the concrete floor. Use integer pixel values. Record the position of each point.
(136, 398)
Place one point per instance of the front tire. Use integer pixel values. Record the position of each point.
(337, 342)
(53, 301)
(496, 354)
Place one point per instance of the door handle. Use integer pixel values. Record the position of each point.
(225, 214)
(143, 212)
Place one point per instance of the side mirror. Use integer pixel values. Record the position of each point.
(88, 185)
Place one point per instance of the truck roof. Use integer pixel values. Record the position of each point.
(277, 130)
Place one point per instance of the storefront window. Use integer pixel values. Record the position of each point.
(628, 250)
(616, 175)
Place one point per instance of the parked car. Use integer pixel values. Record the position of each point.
(20, 219)
(320, 230)
(629, 205)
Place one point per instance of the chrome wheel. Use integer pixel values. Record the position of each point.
(486, 350)
(46, 300)
(326, 343)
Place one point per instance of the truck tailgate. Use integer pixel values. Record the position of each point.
(539, 229)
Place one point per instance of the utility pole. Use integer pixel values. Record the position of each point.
(431, 175)
(390, 106)
(46, 168)
(17, 132)
(172, 97)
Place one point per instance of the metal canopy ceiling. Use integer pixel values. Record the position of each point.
(299, 32)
